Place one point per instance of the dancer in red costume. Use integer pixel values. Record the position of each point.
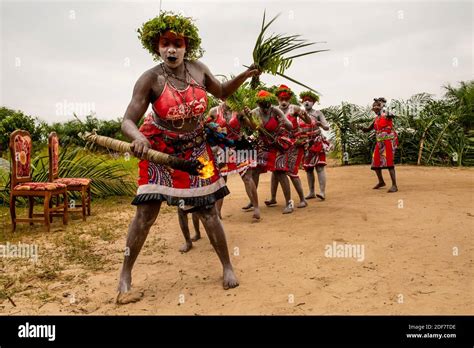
(273, 142)
(295, 151)
(316, 145)
(176, 89)
(386, 143)
(233, 159)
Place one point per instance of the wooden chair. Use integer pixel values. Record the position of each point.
(82, 185)
(22, 186)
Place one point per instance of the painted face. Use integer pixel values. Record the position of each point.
(172, 48)
(376, 106)
(308, 104)
(284, 102)
(264, 105)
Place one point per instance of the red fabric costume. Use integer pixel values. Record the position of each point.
(387, 143)
(233, 161)
(316, 144)
(270, 156)
(162, 183)
(295, 152)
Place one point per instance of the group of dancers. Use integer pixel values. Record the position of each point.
(284, 137)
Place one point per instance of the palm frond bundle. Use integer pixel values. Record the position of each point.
(271, 54)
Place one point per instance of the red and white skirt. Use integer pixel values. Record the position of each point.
(161, 183)
(315, 154)
(271, 158)
(295, 157)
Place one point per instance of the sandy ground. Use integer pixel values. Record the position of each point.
(418, 254)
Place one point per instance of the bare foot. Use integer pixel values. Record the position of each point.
(186, 247)
(125, 282)
(321, 196)
(270, 202)
(248, 207)
(379, 185)
(288, 209)
(230, 280)
(256, 214)
(393, 189)
(302, 204)
(310, 196)
(128, 297)
(196, 237)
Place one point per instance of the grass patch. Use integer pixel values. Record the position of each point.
(81, 251)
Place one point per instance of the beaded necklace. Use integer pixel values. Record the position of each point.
(187, 110)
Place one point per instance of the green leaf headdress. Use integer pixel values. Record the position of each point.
(309, 94)
(150, 32)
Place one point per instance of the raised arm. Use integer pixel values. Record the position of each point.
(282, 118)
(303, 114)
(323, 123)
(224, 89)
(369, 128)
(135, 110)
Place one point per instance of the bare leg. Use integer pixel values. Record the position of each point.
(215, 231)
(220, 202)
(322, 182)
(251, 190)
(380, 177)
(299, 188)
(273, 191)
(394, 187)
(138, 230)
(197, 232)
(310, 177)
(285, 185)
(256, 178)
(183, 223)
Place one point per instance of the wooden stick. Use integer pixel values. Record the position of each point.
(152, 155)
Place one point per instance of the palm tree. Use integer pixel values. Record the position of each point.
(348, 142)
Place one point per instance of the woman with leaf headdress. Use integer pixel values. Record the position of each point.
(295, 150)
(176, 90)
(237, 157)
(316, 145)
(272, 126)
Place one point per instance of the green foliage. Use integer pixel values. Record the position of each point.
(11, 120)
(243, 96)
(211, 102)
(109, 176)
(68, 131)
(270, 53)
(150, 32)
(345, 138)
(309, 94)
(430, 132)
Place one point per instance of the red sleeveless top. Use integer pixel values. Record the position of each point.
(383, 124)
(272, 124)
(174, 104)
(232, 127)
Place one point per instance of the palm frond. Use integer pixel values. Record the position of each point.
(269, 52)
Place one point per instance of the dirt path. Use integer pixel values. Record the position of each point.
(408, 265)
